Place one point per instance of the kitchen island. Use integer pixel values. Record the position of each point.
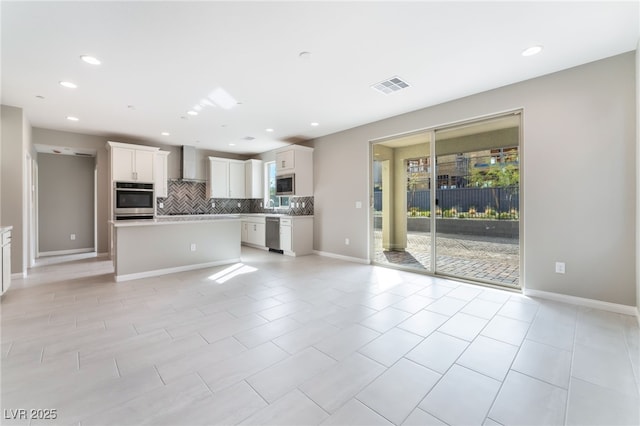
(147, 248)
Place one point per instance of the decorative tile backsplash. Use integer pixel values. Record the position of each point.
(189, 197)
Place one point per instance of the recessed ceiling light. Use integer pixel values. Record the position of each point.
(70, 118)
(192, 112)
(90, 59)
(68, 84)
(165, 133)
(268, 130)
(232, 144)
(314, 124)
(533, 50)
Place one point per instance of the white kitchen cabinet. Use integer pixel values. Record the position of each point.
(5, 264)
(296, 235)
(218, 179)
(226, 178)
(297, 160)
(161, 177)
(285, 161)
(253, 231)
(285, 234)
(244, 229)
(254, 173)
(132, 163)
(236, 179)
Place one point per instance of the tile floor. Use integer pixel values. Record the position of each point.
(305, 341)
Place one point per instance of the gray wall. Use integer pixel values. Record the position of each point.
(65, 202)
(15, 145)
(579, 129)
(77, 140)
(638, 180)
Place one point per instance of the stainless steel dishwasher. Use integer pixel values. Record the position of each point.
(272, 236)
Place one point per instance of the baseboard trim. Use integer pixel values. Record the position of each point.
(165, 271)
(103, 254)
(19, 275)
(638, 315)
(342, 257)
(63, 252)
(581, 301)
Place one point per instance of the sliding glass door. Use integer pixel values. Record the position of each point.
(401, 202)
(458, 215)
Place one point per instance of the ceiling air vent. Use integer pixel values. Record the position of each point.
(390, 85)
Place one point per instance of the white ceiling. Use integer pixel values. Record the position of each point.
(163, 58)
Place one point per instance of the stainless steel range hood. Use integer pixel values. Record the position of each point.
(188, 163)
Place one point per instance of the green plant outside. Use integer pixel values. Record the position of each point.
(489, 213)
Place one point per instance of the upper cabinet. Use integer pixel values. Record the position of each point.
(254, 187)
(285, 161)
(236, 179)
(226, 178)
(132, 163)
(297, 160)
(161, 185)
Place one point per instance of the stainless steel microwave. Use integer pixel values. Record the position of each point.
(286, 184)
(133, 200)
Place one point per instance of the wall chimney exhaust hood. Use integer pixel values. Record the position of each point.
(188, 163)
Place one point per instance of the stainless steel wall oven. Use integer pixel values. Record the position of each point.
(133, 200)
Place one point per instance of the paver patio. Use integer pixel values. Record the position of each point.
(495, 260)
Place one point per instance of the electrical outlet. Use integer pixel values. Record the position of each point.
(303, 204)
(239, 205)
(560, 268)
(161, 205)
(193, 246)
(213, 204)
(346, 241)
(73, 237)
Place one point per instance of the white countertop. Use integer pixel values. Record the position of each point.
(177, 219)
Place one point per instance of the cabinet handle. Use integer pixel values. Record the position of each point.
(283, 164)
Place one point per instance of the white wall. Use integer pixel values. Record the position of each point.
(579, 184)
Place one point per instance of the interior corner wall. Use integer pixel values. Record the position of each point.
(579, 183)
(11, 202)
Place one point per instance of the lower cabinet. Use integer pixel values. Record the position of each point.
(5, 261)
(253, 231)
(285, 234)
(296, 233)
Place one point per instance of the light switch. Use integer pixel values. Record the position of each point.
(358, 204)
